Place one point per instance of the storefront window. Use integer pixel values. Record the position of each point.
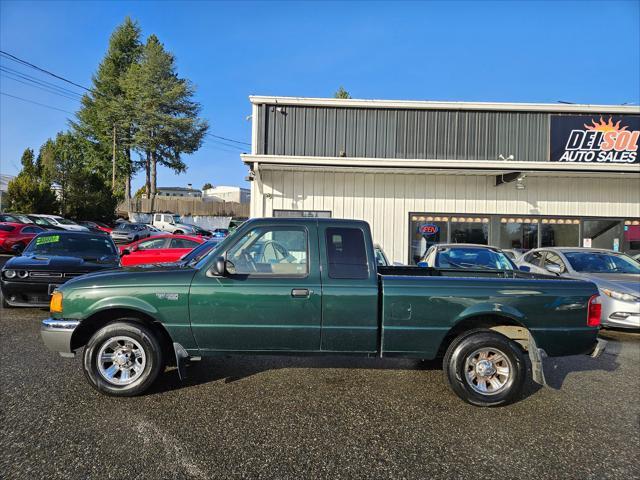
(603, 234)
(470, 230)
(631, 237)
(559, 232)
(427, 230)
(518, 233)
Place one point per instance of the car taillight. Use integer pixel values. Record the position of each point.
(594, 311)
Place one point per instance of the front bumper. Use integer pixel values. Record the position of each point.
(27, 294)
(618, 313)
(56, 335)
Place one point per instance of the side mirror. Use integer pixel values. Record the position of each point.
(557, 269)
(219, 267)
(124, 252)
(524, 268)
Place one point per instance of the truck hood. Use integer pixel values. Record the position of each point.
(621, 282)
(138, 276)
(60, 263)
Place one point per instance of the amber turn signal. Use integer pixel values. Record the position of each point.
(56, 303)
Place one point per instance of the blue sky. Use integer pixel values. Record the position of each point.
(511, 51)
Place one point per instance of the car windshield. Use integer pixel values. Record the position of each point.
(41, 221)
(65, 221)
(479, 258)
(601, 262)
(199, 252)
(127, 227)
(88, 247)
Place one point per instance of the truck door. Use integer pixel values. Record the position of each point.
(349, 288)
(271, 297)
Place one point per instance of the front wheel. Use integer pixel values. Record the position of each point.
(178, 232)
(123, 359)
(485, 368)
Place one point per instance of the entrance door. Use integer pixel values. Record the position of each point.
(270, 299)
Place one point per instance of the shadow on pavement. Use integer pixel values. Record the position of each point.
(556, 369)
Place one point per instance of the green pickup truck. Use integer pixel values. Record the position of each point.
(312, 286)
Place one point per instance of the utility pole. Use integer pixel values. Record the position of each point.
(113, 161)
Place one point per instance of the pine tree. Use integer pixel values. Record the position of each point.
(341, 93)
(105, 117)
(166, 122)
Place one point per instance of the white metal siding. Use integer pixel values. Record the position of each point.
(386, 199)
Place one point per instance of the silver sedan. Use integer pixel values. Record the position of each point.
(616, 275)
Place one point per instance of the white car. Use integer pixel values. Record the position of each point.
(62, 222)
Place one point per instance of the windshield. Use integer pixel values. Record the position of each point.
(601, 262)
(41, 221)
(480, 258)
(176, 218)
(65, 221)
(88, 247)
(127, 227)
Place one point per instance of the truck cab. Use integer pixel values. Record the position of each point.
(168, 222)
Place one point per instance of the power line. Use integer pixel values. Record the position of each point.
(230, 145)
(24, 62)
(36, 103)
(59, 77)
(31, 78)
(228, 139)
(46, 89)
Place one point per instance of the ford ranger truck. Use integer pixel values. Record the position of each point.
(312, 286)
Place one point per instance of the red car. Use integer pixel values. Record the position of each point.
(158, 249)
(14, 237)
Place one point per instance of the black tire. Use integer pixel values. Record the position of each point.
(146, 339)
(466, 347)
(135, 239)
(178, 232)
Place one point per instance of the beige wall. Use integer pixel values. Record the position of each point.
(385, 199)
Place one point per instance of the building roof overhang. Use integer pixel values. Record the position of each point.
(469, 166)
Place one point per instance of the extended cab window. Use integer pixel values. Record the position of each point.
(346, 253)
(533, 258)
(270, 251)
(553, 259)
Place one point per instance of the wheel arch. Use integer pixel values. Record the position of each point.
(96, 321)
(501, 323)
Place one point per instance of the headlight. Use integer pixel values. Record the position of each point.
(625, 297)
(9, 273)
(56, 302)
(23, 274)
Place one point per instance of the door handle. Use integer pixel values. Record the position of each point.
(300, 292)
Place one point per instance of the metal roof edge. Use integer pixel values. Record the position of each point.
(438, 105)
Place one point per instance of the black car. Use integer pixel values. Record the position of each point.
(44, 223)
(51, 259)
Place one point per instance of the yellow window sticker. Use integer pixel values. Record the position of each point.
(47, 239)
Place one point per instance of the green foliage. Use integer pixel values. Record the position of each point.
(28, 164)
(140, 192)
(27, 194)
(84, 192)
(207, 186)
(106, 108)
(166, 123)
(341, 93)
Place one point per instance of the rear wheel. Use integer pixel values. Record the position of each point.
(178, 232)
(123, 359)
(485, 368)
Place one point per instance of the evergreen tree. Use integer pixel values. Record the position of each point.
(105, 117)
(341, 93)
(27, 193)
(166, 122)
(28, 165)
(207, 186)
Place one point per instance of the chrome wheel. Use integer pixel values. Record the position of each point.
(488, 371)
(121, 360)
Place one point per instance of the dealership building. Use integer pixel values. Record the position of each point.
(510, 175)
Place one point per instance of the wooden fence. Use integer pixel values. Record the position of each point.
(184, 206)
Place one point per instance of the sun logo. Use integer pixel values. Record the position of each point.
(603, 126)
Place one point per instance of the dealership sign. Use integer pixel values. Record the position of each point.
(600, 139)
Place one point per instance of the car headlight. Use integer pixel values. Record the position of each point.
(625, 297)
(9, 273)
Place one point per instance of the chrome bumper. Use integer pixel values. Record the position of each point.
(56, 335)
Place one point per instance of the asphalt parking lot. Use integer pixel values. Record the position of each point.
(288, 417)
